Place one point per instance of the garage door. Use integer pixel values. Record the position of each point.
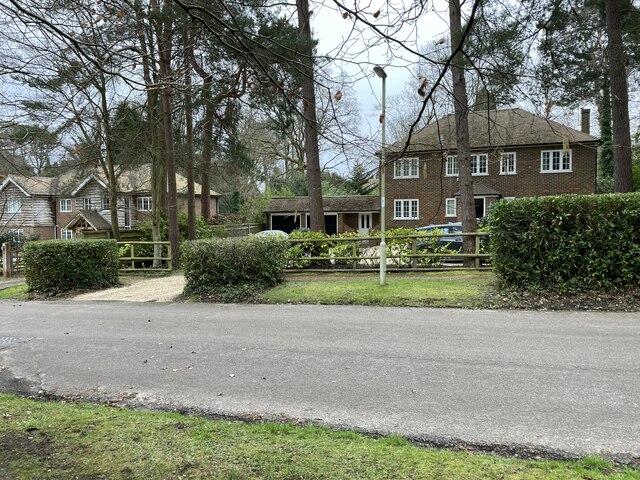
(286, 223)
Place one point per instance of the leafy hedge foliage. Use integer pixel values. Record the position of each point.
(329, 247)
(232, 269)
(56, 266)
(568, 242)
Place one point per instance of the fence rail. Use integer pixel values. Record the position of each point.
(415, 252)
(146, 260)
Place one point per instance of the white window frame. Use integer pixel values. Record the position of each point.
(407, 208)
(451, 166)
(406, 168)
(450, 207)
(86, 203)
(551, 161)
(144, 204)
(14, 205)
(18, 233)
(66, 234)
(484, 204)
(106, 203)
(506, 160)
(477, 161)
(66, 205)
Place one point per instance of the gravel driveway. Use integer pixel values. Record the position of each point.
(158, 289)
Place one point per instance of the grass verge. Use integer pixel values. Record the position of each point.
(51, 440)
(438, 289)
(17, 292)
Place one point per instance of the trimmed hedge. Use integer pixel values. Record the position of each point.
(55, 266)
(232, 269)
(567, 242)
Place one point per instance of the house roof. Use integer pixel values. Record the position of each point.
(130, 181)
(347, 203)
(92, 217)
(31, 185)
(492, 129)
(139, 180)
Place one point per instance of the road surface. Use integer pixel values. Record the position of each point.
(521, 381)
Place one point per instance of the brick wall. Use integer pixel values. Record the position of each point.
(433, 187)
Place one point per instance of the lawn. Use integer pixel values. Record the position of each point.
(18, 292)
(52, 440)
(433, 289)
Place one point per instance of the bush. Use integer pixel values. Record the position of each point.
(299, 251)
(568, 242)
(232, 269)
(55, 266)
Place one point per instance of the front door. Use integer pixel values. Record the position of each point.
(364, 223)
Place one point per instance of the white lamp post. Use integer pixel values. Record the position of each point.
(379, 71)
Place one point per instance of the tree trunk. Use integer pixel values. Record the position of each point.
(108, 166)
(461, 104)
(188, 106)
(622, 177)
(164, 39)
(312, 152)
(207, 150)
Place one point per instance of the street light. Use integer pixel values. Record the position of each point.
(379, 71)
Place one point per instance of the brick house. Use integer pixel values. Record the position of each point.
(349, 213)
(65, 206)
(514, 153)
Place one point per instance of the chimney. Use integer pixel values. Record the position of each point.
(585, 120)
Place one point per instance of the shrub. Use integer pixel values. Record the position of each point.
(298, 252)
(55, 266)
(567, 242)
(232, 269)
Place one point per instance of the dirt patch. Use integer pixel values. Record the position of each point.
(16, 445)
(621, 300)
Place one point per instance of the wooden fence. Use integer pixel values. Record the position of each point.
(141, 256)
(11, 259)
(403, 253)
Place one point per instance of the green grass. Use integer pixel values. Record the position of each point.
(52, 440)
(18, 292)
(442, 289)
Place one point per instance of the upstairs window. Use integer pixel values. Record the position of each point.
(552, 161)
(14, 205)
(480, 164)
(86, 203)
(508, 163)
(145, 204)
(406, 168)
(65, 205)
(451, 167)
(106, 204)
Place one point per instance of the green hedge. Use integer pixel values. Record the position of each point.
(232, 269)
(567, 242)
(56, 266)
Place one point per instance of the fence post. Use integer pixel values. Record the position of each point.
(133, 262)
(414, 251)
(7, 260)
(477, 250)
(354, 253)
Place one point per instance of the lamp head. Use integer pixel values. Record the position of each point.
(379, 71)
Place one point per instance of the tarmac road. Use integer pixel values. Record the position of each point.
(528, 382)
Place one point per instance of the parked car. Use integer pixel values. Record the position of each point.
(452, 241)
(272, 233)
